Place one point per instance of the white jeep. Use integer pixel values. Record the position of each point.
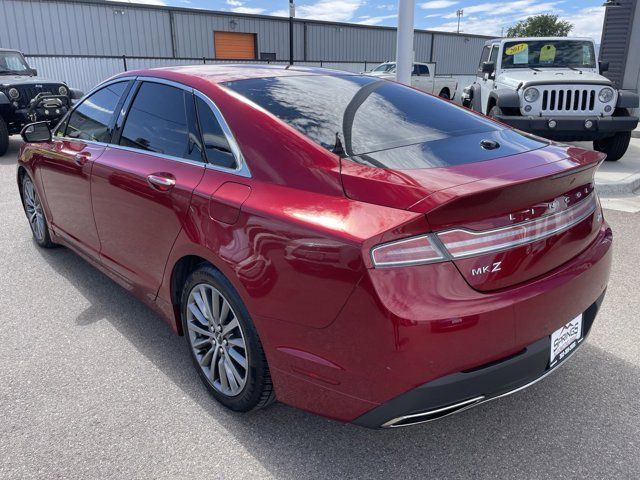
(552, 87)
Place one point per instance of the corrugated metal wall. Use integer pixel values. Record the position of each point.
(46, 27)
(95, 27)
(616, 33)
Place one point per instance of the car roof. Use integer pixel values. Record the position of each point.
(535, 39)
(220, 73)
(9, 50)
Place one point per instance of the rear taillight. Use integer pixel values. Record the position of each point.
(462, 243)
(411, 251)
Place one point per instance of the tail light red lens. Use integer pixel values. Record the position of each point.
(462, 243)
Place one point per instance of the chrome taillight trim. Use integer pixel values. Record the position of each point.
(434, 244)
(581, 210)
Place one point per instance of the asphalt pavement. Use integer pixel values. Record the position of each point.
(94, 385)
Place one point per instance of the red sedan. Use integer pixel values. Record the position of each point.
(345, 244)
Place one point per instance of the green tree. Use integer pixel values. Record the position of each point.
(540, 26)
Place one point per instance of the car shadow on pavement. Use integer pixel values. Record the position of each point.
(568, 425)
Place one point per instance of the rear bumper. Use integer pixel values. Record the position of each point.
(411, 327)
(462, 390)
(571, 128)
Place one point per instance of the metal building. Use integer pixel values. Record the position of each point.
(620, 42)
(85, 40)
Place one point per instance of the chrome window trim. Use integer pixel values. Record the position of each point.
(156, 154)
(81, 101)
(242, 168)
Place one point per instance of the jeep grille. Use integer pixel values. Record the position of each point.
(28, 92)
(574, 99)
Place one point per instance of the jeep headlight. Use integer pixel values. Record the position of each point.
(14, 94)
(62, 90)
(605, 95)
(531, 94)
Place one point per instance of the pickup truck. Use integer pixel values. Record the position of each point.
(553, 87)
(423, 78)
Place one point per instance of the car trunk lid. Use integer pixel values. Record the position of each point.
(502, 221)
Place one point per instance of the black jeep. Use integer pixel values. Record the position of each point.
(27, 98)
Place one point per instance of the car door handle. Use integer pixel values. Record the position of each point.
(81, 158)
(162, 182)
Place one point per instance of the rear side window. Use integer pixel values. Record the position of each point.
(423, 70)
(353, 115)
(158, 122)
(216, 147)
(91, 120)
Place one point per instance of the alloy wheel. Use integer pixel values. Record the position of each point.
(217, 339)
(33, 208)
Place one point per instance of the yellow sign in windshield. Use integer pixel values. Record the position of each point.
(514, 49)
(547, 54)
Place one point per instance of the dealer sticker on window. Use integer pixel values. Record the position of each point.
(565, 340)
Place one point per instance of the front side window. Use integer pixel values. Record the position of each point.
(92, 119)
(353, 115)
(158, 122)
(216, 146)
(484, 57)
(548, 53)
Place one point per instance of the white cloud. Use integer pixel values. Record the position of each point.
(435, 4)
(587, 23)
(387, 6)
(366, 20)
(234, 3)
(494, 18)
(250, 10)
(330, 10)
(519, 8)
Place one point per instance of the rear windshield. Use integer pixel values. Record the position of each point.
(354, 115)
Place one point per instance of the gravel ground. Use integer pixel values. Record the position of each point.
(94, 385)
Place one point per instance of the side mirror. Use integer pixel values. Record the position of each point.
(75, 94)
(488, 67)
(34, 72)
(603, 66)
(37, 132)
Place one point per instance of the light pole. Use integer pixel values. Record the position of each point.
(292, 13)
(404, 45)
(459, 14)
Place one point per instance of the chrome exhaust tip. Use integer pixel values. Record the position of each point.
(431, 415)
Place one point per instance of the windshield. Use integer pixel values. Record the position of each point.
(548, 53)
(13, 62)
(385, 67)
(355, 115)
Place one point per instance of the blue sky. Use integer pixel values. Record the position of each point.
(488, 17)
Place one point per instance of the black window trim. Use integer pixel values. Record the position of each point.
(242, 169)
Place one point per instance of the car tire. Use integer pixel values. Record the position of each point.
(445, 94)
(615, 147)
(494, 112)
(4, 137)
(238, 388)
(35, 213)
